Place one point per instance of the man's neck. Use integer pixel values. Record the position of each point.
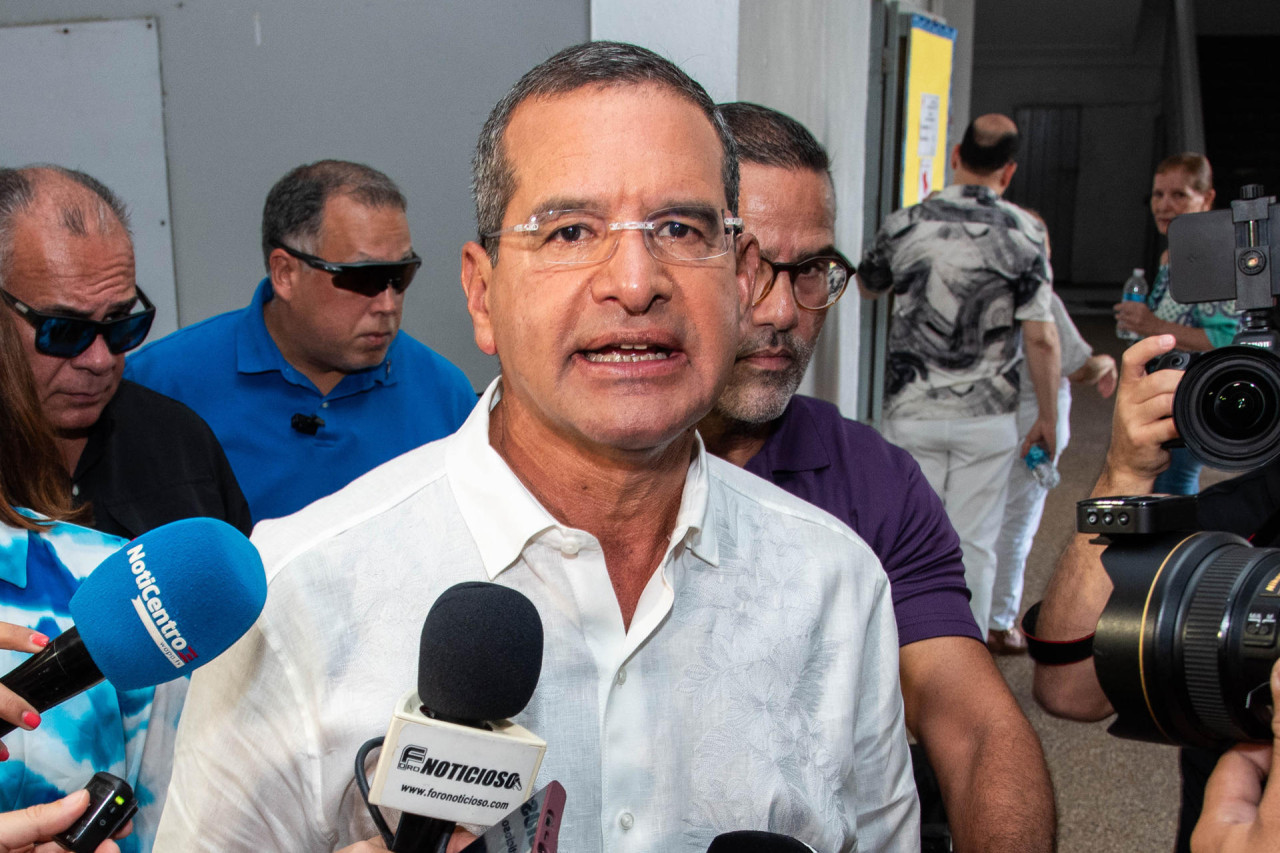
(993, 182)
(628, 501)
(71, 448)
(733, 440)
(273, 315)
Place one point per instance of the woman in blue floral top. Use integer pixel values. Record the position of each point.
(1183, 183)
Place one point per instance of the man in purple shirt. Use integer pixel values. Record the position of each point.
(988, 760)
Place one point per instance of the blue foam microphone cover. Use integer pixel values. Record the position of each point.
(481, 653)
(169, 601)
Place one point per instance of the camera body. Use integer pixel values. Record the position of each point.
(1227, 407)
(1184, 647)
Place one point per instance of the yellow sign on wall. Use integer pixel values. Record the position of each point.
(926, 105)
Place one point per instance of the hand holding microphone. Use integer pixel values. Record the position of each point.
(164, 604)
(13, 708)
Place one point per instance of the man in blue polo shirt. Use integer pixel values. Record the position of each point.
(313, 384)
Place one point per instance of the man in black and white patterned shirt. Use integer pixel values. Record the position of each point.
(972, 284)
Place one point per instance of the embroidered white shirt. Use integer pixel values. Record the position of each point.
(757, 686)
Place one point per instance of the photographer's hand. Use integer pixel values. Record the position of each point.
(1241, 805)
(1079, 588)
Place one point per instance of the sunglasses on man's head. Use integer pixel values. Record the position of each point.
(368, 278)
(66, 337)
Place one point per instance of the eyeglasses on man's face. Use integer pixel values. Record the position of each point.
(817, 281)
(686, 235)
(367, 278)
(62, 336)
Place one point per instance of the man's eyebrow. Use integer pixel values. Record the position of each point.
(121, 307)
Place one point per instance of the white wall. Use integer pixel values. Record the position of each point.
(252, 89)
(806, 58)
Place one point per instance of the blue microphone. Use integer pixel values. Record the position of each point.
(166, 603)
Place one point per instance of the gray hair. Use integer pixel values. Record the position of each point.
(595, 63)
(767, 137)
(21, 189)
(294, 209)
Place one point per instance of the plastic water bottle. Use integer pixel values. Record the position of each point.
(1135, 290)
(1042, 467)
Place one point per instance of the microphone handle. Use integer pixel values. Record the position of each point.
(54, 674)
(418, 834)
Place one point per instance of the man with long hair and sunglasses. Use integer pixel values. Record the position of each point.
(138, 458)
(990, 768)
(313, 383)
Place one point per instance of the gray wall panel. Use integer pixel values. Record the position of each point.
(253, 89)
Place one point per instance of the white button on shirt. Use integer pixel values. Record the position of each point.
(760, 666)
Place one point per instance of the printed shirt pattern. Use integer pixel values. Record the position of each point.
(966, 268)
(125, 732)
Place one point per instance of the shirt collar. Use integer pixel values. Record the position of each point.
(256, 352)
(13, 553)
(798, 444)
(503, 516)
(979, 192)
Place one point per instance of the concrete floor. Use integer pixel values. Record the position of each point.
(1112, 794)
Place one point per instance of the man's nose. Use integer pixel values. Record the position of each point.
(631, 275)
(97, 358)
(778, 308)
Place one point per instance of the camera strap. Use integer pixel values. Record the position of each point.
(1053, 652)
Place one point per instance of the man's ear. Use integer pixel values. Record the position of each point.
(283, 270)
(955, 157)
(477, 276)
(748, 258)
(1006, 176)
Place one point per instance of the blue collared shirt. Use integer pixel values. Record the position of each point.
(230, 371)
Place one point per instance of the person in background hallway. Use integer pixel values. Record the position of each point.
(313, 383)
(138, 459)
(1024, 505)
(993, 777)
(971, 279)
(1182, 184)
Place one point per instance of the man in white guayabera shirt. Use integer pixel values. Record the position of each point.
(719, 655)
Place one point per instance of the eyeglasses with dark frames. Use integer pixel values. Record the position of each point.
(62, 336)
(367, 278)
(817, 281)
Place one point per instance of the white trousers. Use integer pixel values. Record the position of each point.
(967, 462)
(1023, 509)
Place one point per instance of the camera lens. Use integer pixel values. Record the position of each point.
(1227, 408)
(1239, 408)
(1185, 644)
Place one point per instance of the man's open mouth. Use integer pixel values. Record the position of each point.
(626, 353)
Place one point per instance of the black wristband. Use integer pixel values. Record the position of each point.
(1053, 652)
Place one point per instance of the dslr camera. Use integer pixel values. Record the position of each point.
(1184, 647)
(1227, 407)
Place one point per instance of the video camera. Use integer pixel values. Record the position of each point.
(1227, 407)
(1184, 647)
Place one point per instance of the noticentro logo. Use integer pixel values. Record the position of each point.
(414, 759)
(163, 630)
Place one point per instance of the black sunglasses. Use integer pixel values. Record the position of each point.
(368, 278)
(66, 337)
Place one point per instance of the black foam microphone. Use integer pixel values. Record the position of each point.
(756, 841)
(450, 754)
